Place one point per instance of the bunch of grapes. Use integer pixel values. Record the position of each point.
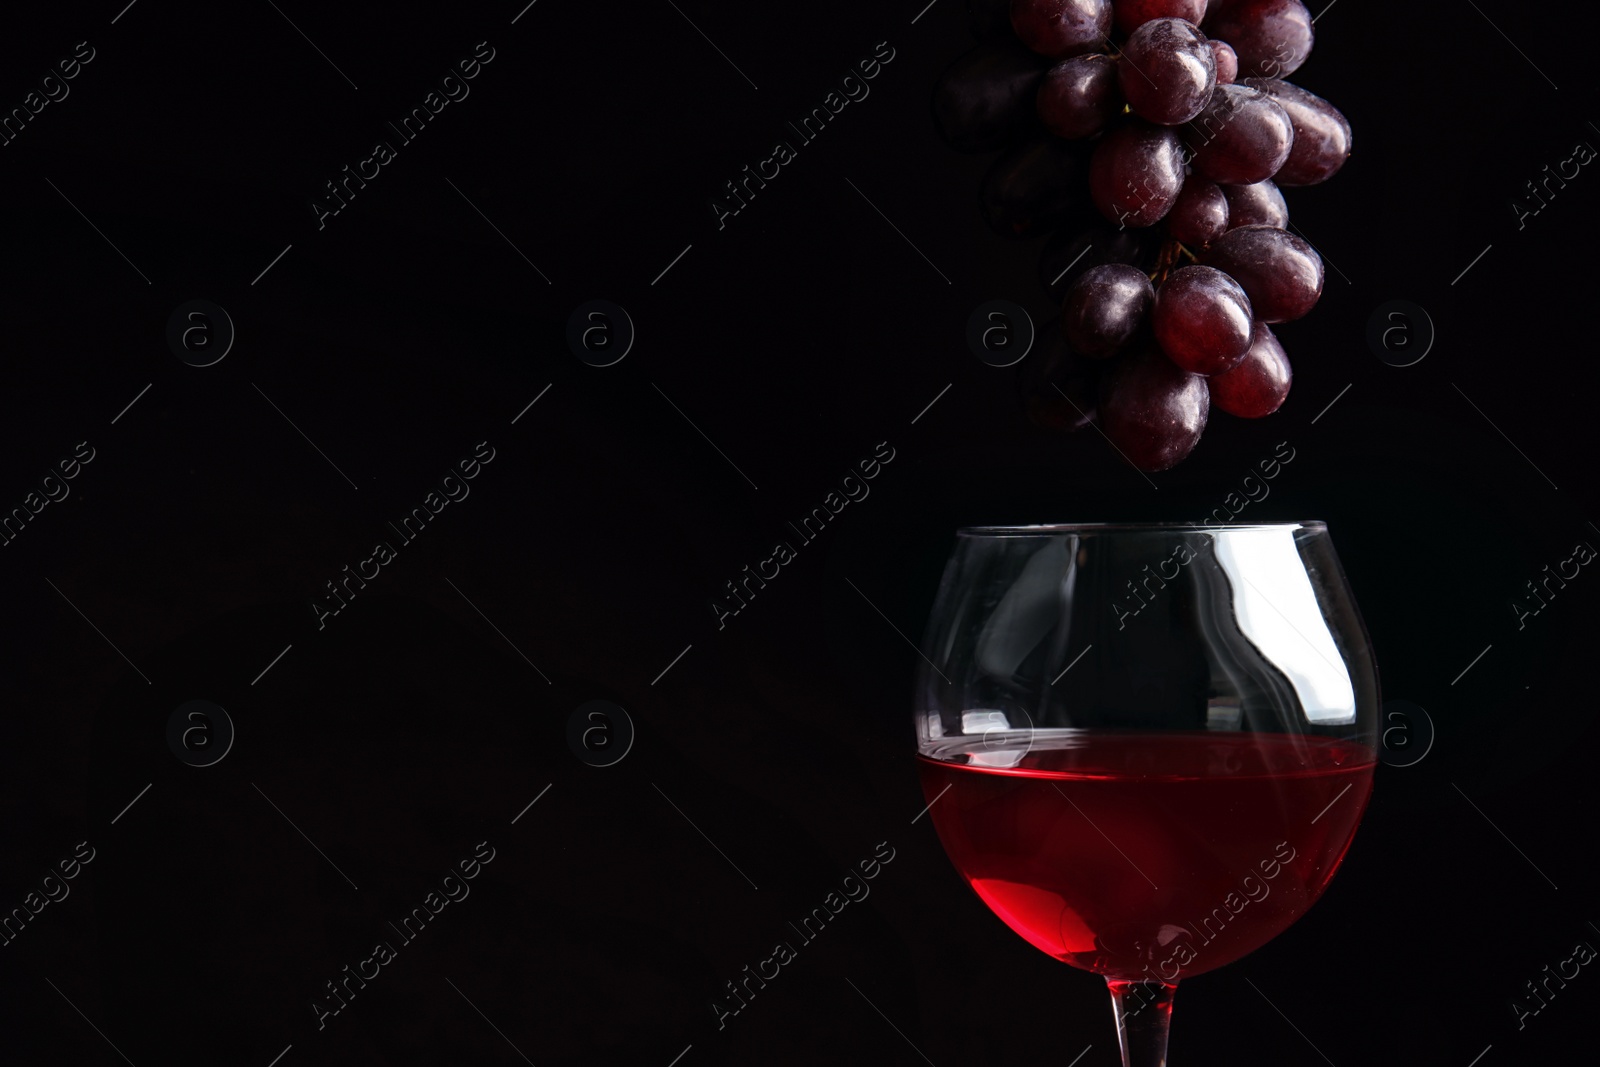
(1152, 137)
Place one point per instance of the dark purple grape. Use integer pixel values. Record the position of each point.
(1129, 15)
(1271, 37)
(1061, 28)
(984, 100)
(1321, 134)
(1135, 173)
(1166, 71)
(1069, 254)
(1151, 409)
(1280, 273)
(1241, 137)
(1202, 320)
(1226, 60)
(1105, 308)
(1057, 384)
(1257, 385)
(1034, 187)
(1200, 214)
(1078, 96)
(1259, 204)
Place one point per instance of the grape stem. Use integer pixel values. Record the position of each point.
(1164, 261)
(1170, 251)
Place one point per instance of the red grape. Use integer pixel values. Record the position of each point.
(1061, 28)
(1151, 409)
(1202, 320)
(1068, 255)
(1321, 134)
(1200, 214)
(1167, 71)
(1271, 37)
(1257, 385)
(1259, 204)
(1241, 137)
(1033, 187)
(1105, 307)
(1079, 96)
(1131, 14)
(1281, 274)
(1135, 173)
(984, 98)
(1226, 60)
(1058, 384)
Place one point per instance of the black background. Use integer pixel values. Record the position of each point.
(796, 338)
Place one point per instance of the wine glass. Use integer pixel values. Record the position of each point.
(1146, 747)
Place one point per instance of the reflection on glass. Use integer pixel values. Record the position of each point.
(1277, 609)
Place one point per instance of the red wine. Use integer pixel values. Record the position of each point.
(1152, 856)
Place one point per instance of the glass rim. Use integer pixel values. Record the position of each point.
(1136, 527)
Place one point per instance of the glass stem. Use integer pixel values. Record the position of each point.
(1143, 1012)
